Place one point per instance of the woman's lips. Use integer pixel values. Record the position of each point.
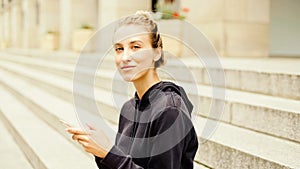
(127, 67)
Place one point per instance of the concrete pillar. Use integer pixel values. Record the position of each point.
(124, 8)
(110, 10)
(43, 18)
(99, 14)
(49, 15)
(66, 26)
(247, 28)
(84, 13)
(49, 22)
(30, 35)
(16, 26)
(1, 28)
(284, 28)
(7, 25)
(208, 17)
(237, 28)
(107, 12)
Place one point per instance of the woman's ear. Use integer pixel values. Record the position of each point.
(157, 54)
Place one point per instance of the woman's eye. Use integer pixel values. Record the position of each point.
(118, 49)
(136, 47)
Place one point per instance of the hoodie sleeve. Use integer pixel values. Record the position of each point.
(114, 161)
(170, 159)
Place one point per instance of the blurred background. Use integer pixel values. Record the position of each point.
(258, 42)
(246, 28)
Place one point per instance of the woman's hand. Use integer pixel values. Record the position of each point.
(93, 141)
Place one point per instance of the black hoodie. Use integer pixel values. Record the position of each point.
(155, 132)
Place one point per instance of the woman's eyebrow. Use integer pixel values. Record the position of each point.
(135, 41)
(117, 44)
(132, 42)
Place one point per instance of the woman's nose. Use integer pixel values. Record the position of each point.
(126, 55)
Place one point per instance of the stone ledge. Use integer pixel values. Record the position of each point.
(234, 147)
(276, 77)
(253, 75)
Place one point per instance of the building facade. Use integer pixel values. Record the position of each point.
(237, 28)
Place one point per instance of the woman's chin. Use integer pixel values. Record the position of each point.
(128, 78)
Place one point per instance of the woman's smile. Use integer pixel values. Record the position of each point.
(127, 68)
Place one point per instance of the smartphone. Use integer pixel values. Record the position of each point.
(66, 124)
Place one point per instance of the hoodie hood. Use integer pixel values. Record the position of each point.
(164, 87)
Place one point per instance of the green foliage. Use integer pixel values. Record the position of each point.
(52, 32)
(168, 14)
(86, 26)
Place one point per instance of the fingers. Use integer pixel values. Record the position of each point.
(81, 137)
(85, 139)
(72, 130)
(83, 143)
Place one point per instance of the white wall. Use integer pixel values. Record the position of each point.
(285, 28)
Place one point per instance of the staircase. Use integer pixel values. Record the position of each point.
(259, 128)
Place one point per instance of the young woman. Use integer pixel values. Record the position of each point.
(155, 130)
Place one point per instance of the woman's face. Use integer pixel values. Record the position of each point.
(134, 55)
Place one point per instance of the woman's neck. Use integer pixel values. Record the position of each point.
(144, 83)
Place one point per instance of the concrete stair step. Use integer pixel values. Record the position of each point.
(239, 149)
(234, 147)
(43, 146)
(271, 115)
(63, 88)
(199, 166)
(66, 57)
(58, 93)
(11, 157)
(61, 56)
(272, 77)
(55, 67)
(275, 77)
